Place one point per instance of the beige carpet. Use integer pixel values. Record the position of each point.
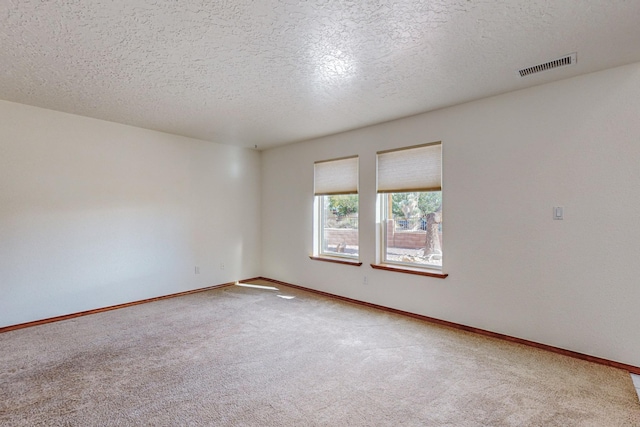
(247, 357)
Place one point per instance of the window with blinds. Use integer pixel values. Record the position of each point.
(337, 205)
(409, 185)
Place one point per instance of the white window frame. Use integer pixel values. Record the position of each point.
(383, 203)
(432, 182)
(326, 186)
(320, 230)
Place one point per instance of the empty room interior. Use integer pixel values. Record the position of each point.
(320, 213)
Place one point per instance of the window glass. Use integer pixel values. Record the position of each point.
(339, 225)
(412, 224)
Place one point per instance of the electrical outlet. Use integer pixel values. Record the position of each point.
(365, 281)
(197, 271)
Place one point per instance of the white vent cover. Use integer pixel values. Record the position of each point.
(565, 61)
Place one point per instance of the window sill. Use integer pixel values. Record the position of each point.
(334, 260)
(408, 270)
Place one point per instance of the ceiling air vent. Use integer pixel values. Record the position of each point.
(565, 61)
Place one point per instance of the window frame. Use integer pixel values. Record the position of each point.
(383, 200)
(330, 187)
(319, 251)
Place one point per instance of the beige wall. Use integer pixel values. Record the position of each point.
(507, 161)
(94, 213)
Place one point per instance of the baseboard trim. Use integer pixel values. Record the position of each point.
(109, 308)
(630, 368)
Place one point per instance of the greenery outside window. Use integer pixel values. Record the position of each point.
(413, 228)
(336, 213)
(410, 200)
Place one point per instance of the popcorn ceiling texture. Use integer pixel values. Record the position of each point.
(243, 72)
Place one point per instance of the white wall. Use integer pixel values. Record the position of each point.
(94, 213)
(507, 161)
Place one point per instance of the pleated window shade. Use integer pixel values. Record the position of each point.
(417, 168)
(338, 176)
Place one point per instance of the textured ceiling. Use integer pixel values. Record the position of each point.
(273, 72)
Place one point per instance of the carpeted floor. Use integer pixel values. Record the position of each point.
(242, 356)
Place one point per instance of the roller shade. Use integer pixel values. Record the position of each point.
(337, 176)
(417, 168)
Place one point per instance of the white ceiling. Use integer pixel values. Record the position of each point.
(278, 71)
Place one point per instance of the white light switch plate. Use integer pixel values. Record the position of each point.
(558, 212)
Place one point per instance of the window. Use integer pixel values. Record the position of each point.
(336, 208)
(410, 200)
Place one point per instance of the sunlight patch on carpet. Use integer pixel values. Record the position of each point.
(247, 285)
(636, 383)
